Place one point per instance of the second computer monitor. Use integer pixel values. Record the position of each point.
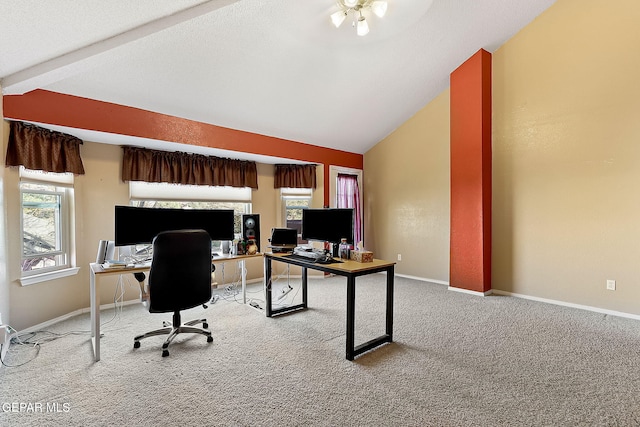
(327, 225)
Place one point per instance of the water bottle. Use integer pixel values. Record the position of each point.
(343, 249)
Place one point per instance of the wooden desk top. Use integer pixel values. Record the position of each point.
(348, 266)
(229, 257)
(99, 269)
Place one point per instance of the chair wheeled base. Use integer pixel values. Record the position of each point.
(174, 330)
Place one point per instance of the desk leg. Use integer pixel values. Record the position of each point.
(389, 326)
(243, 273)
(351, 316)
(304, 287)
(95, 316)
(353, 350)
(267, 286)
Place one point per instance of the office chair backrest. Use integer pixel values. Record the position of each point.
(180, 275)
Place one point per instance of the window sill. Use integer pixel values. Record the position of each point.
(51, 275)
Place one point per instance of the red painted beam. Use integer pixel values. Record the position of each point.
(67, 110)
(470, 240)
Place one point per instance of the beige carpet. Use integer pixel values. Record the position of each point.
(457, 360)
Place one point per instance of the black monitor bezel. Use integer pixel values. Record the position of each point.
(139, 225)
(333, 225)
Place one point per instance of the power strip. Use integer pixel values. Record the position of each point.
(4, 333)
(5, 341)
(284, 292)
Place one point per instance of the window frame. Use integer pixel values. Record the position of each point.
(175, 193)
(61, 186)
(289, 194)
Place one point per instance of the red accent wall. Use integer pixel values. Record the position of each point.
(67, 110)
(470, 240)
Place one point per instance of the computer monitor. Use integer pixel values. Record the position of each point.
(283, 238)
(136, 225)
(327, 225)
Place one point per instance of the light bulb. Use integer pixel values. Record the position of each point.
(363, 27)
(338, 18)
(379, 8)
(350, 3)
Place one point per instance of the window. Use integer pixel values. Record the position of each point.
(45, 221)
(346, 193)
(178, 196)
(294, 200)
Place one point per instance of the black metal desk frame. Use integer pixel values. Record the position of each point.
(361, 269)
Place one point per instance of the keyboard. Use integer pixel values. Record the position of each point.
(313, 256)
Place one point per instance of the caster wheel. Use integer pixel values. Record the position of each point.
(209, 338)
(205, 325)
(165, 353)
(136, 344)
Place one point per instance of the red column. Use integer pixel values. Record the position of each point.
(470, 121)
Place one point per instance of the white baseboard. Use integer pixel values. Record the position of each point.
(422, 279)
(74, 313)
(467, 291)
(516, 295)
(568, 304)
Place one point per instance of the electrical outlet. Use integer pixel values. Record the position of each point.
(399, 257)
(611, 285)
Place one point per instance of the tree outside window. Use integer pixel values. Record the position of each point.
(43, 222)
(293, 207)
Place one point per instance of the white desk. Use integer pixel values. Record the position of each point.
(97, 272)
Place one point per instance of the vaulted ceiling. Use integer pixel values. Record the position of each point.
(276, 68)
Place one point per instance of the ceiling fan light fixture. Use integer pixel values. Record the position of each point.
(356, 8)
(338, 17)
(379, 8)
(363, 27)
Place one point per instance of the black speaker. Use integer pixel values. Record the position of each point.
(251, 228)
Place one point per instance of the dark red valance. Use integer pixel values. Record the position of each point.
(295, 176)
(37, 148)
(141, 164)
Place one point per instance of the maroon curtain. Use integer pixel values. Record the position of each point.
(141, 164)
(42, 149)
(349, 197)
(295, 176)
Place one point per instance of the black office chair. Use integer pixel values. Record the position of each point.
(180, 278)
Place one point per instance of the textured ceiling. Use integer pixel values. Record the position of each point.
(277, 68)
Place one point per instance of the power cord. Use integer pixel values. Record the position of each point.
(32, 339)
(289, 296)
(16, 340)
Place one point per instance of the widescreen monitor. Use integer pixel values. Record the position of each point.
(140, 225)
(327, 225)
